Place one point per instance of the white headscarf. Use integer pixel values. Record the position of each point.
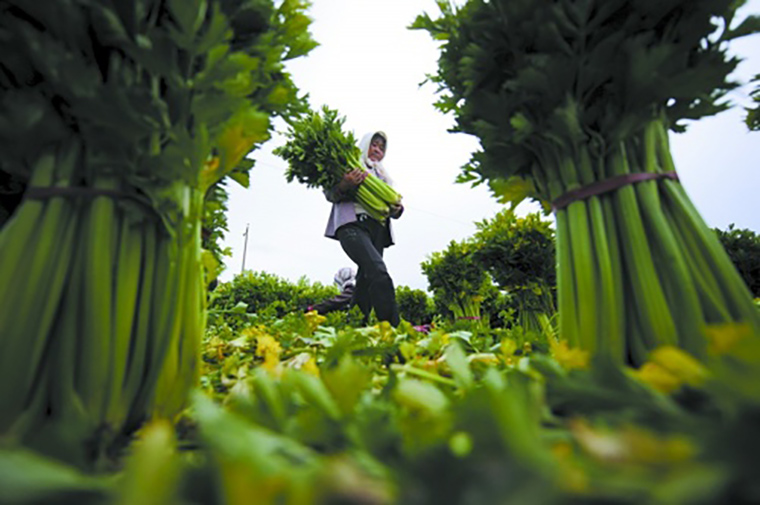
(377, 165)
(345, 277)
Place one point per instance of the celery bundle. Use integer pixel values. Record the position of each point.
(572, 101)
(319, 153)
(120, 116)
(519, 254)
(457, 281)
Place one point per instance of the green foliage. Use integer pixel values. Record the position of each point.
(456, 280)
(318, 150)
(262, 291)
(298, 412)
(498, 307)
(414, 305)
(519, 254)
(153, 89)
(119, 116)
(753, 113)
(214, 223)
(507, 268)
(27, 477)
(533, 79)
(568, 98)
(743, 247)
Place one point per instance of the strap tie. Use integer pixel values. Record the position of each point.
(608, 185)
(40, 193)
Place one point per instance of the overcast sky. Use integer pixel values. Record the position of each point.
(369, 67)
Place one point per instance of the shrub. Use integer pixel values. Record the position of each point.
(743, 247)
(456, 280)
(262, 291)
(414, 305)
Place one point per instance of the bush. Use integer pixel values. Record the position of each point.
(414, 305)
(498, 308)
(743, 247)
(456, 280)
(262, 291)
(519, 253)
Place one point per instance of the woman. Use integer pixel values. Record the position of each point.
(364, 238)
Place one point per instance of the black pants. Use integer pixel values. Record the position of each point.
(364, 242)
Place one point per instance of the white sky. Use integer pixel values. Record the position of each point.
(369, 67)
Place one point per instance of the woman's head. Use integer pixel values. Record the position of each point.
(374, 146)
(376, 149)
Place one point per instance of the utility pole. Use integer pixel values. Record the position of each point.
(245, 247)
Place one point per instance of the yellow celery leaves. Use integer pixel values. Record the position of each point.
(214, 349)
(241, 133)
(657, 377)
(483, 358)
(734, 360)
(569, 358)
(268, 348)
(304, 362)
(310, 367)
(631, 444)
(724, 338)
(244, 130)
(572, 476)
(513, 190)
(266, 345)
(670, 368)
(244, 484)
(313, 320)
(508, 348)
(444, 337)
(386, 331)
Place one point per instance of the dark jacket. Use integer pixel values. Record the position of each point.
(338, 302)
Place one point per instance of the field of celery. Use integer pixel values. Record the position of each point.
(290, 410)
(613, 358)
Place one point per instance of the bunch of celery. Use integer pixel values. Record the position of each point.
(566, 93)
(120, 116)
(319, 153)
(457, 281)
(519, 254)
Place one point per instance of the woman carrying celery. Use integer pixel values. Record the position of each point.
(364, 237)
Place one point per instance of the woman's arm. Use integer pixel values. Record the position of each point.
(396, 210)
(345, 190)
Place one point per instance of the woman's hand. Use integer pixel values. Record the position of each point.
(396, 210)
(351, 180)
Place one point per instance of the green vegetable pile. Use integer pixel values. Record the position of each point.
(295, 411)
(743, 247)
(119, 116)
(519, 254)
(124, 119)
(572, 101)
(319, 152)
(456, 280)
